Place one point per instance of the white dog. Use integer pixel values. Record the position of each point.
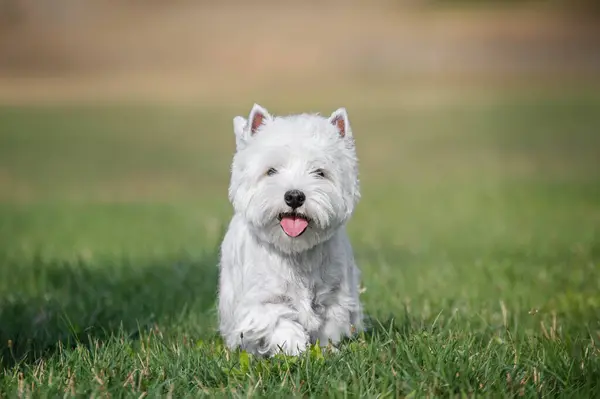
(287, 272)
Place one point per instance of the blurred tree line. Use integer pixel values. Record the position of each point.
(15, 12)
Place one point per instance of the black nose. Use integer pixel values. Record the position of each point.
(294, 198)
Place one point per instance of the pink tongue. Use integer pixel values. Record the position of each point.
(293, 226)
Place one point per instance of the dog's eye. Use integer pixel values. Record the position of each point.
(320, 173)
(271, 171)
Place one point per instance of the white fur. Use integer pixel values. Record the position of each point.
(278, 292)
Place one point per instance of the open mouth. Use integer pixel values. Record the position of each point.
(293, 224)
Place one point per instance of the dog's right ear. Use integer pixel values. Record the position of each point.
(244, 129)
(258, 116)
(239, 127)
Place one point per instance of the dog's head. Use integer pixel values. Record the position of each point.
(294, 178)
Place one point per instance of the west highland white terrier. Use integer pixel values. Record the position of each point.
(287, 271)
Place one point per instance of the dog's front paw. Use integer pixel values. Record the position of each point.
(289, 338)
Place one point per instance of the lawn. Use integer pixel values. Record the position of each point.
(478, 235)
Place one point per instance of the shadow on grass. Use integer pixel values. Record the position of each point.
(59, 303)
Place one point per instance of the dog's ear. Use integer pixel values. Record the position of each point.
(339, 119)
(246, 128)
(258, 116)
(239, 126)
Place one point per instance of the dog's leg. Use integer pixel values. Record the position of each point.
(268, 329)
(336, 325)
(289, 337)
(342, 318)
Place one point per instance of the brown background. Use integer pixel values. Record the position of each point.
(237, 52)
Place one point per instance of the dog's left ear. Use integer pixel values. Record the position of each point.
(339, 119)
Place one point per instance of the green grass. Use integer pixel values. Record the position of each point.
(478, 235)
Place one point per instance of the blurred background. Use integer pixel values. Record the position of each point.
(406, 60)
(235, 52)
(129, 101)
(133, 101)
